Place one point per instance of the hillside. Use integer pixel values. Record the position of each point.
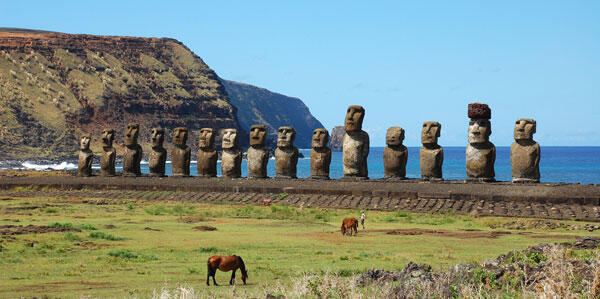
(260, 106)
(54, 87)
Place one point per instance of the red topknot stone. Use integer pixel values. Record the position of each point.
(479, 110)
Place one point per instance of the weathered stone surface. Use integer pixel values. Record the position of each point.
(207, 154)
(480, 153)
(85, 156)
(109, 154)
(158, 155)
(355, 144)
(320, 155)
(431, 155)
(181, 153)
(258, 154)
(395, 154)
(336, 140)
(231, 157)
(286, 154)
(525, 152)
(479, 111)
(133, 151)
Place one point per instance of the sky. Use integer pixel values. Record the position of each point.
(405, 62)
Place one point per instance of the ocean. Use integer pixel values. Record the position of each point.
(557, 164)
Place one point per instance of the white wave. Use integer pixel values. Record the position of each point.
(61, 166)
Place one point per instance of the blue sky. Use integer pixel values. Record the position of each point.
(405, 62)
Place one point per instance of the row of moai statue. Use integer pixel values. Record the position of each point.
(480, 152)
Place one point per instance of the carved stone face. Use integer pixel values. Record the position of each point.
(131, 134)
(430, 132)
(394, 136)
(286, 136)
(230, 138)
(479, 130)
(84, 142)
(524, 129)
(180, 136)
(206, 138)
(157, 137)
(320, 138)
(354, 118)
(258, 135)
(108, 135)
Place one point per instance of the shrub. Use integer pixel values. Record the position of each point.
(105, 236)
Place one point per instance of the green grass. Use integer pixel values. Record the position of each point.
(278, 243)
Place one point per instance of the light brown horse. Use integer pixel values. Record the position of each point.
(350, 224)
(225, 263)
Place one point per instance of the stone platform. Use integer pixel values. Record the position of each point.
(557, 201)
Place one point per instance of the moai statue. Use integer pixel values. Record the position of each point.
(158, 154)
(355, 145)
(431, 154)
(181, 153)
(395, 154)
(258, 154)
(481, 153)
(85, 156)
(320, 155)
(231, 158)
(107, 160)
(525, 153)
(286, 154)
(133, 151)
(207, 154)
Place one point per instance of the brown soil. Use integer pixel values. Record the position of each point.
(32, 229)
(465, 234)
(109, 226)
(152, 229)
(205, 228)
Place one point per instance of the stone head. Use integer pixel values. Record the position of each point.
(258, 135)
(84, 142)
(354, 118)
(320, 138)
(230, 138)
(131, 134)
(108, 135)
(394, 136)
(524, 129)
(479, 130)
(286, 136)
(206, 140)
(180, 136)
(157, 137)
(430, 132)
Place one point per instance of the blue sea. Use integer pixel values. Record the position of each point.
(557, 164)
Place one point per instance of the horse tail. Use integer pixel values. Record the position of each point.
(241, 264)
(211, 272)
(343, 229)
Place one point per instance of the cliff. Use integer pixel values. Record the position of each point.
(54, 87)
(336, 138)
(260, 106)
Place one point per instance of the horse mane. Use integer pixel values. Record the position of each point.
(242, 265)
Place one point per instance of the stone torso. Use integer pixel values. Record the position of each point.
(480, 161)
(355, 152)
(85, 162)
(285, 162)
(431, 161)
(207, 163)
(107, 161)
(258, 158)
(319, 162)
(231, 163)
(394, 162)
(180, 160)
(525, 161)
(131, 160)
(157, 160)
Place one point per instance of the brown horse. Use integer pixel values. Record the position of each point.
(225, 263)
(350, 224)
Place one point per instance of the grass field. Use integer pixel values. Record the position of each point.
(113, 248)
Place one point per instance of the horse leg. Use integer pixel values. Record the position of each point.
(208, 273)
(213, 275)
(232, 280)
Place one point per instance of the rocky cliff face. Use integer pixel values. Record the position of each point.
(260, 106)
(336, 138)
(54, 87)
